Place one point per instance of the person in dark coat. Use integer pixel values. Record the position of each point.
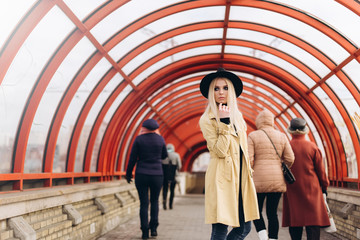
(171, 165)
(303, 203)
(147, 152)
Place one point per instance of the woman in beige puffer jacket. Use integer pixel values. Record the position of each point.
(268, 177)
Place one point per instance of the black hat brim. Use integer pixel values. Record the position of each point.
(205, 82)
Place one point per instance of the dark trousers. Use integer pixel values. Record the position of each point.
(143, 183)
(219, 231)
(312, 232)
(172, 191)
(272, 202)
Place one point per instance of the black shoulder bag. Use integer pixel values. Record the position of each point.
(288, 175)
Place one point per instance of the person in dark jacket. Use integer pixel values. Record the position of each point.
(303, 203)
(171, 165)
(147, 152)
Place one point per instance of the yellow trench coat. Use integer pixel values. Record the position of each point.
(222, 175)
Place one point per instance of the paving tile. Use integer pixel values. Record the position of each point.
(186, 221)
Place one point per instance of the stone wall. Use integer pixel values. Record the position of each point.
(344, 205)
(88, 211)
(84, 211)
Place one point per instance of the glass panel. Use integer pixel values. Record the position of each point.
(350, 104)
(305, 57)
(162, 89)
(342, 129)
(11, 13)
(178, 95)
(166, 61)
(213, 33)
(124, 15)
(334, 13)
(24, 72)
(52, 97)
(270, 85)
(282, 127)
(199, 75)
(105, 123)
(300, 75)
(33, 161)
(356, 119)
(162, 25)
(77, 103)
(150, 70)
(197, 52)
(100, 101)
(143, 57)
(279, 44)
(265, 92)
(264, 103)
(83, 8)
(187, 17)
(352, 69)
(343, 93)
(290, 25)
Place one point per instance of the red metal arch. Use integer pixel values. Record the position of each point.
(309, 102)
(179, 116)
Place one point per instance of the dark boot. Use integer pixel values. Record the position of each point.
(145, 233)
(153, 227)
(153, 232)
(164, 204)
(171, 204)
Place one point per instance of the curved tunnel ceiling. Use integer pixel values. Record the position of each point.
(79, 77)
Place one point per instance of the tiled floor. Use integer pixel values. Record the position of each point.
(186, 221)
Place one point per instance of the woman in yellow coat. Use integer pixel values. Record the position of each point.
(230, 195)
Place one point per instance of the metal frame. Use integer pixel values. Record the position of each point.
(119, 134)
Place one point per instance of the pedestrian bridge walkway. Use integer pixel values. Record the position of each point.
(110, 210)
(186, 221)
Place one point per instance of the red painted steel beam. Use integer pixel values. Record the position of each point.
(79, 124)
(62, 109)
(97, 125)
(156, 15)
(32, 104)
(103, 51)
(290, 94)
(334, 69)
(225, 27)
(351, 5)
(128, 79)
(102, 11)
(301, 16)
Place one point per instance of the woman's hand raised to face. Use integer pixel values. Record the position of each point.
(224, 111)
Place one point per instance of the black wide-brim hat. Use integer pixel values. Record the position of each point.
(221, 73)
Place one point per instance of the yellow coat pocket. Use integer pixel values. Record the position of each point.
(228, 168)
